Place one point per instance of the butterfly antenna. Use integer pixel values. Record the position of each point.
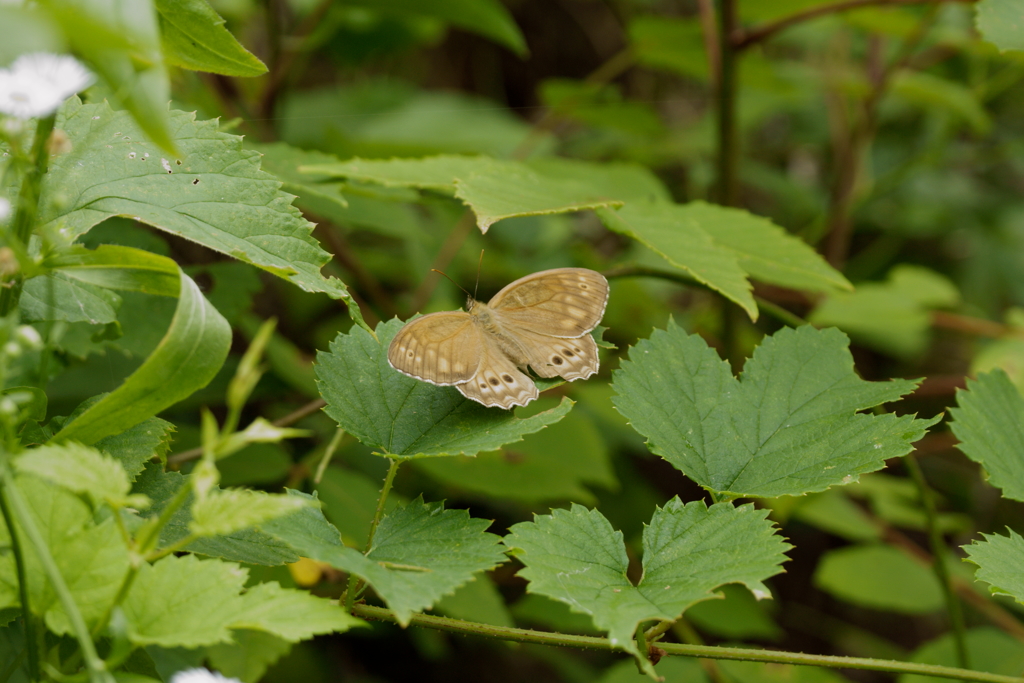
(478, 266)
(435, 270)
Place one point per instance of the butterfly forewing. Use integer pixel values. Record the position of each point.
(498, 382)
(440, 348)
(564, 302)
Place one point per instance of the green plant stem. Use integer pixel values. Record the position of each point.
(151, 535)
(728, 150)
(27, 209)
(779, 313)
(19, 563)
(938, 546)
(97, 668)
(177, 546)
(328, 454)
(355, 584)
(520, 635)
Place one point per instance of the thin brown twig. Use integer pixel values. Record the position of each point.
(742, 39)
(709, 30)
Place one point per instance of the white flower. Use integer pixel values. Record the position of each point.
(37, 83)
(201, 676)
(5, 209)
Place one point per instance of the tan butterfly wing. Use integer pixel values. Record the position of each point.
(570, 359)
(564, 302)
(440, 348)
(498, 382)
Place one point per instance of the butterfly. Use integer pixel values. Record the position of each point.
(542, 321)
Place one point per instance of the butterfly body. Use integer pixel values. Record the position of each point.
(541, 321)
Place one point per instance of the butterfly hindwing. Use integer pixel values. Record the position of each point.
(570, 359)
(564, 302)
(498, 382)
(440, 348)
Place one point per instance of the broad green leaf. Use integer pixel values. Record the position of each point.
(184, 602)
(79, 469)
(1000, 561)
(988, 649)
(617, 180)
(420, 552)
(990, 426)
(116, 267)
(674, 44)
(317, 194)
(194, 37)
(764, 250)
(135, 447)
(1001, 22)
(290, 614)
(121, 43)
(756, 672)
(880, 577)
(738, 616)
(894, 316)
(834, 512)
(789, 426)
(508, 191)
(600, 106)
(224, 512)
(686, 246)
(437, 173)
(188, 357)
(404, 417)
(673, 669)
(576, 557)
(479, 601)
(249, 656)
(92, 559)
(932, 93)
(552, 464)
(212, 193)
(489, 18)
(349, 502)
(57, 297)
(249, 545)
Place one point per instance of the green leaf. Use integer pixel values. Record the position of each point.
(92, 559)
(488, 18)
(738, 616)
(224, 512)
(1001, 22)
(315, 193)
(789, 427)
(115, 267)
(58, 297)
(507, 191)
(1000, 561)
(194, 37)
(552, 464)
(988, 649)
(120, 42)
(879, 577)
(248, 658)
(674, 669)
(188, 357)
(674, 44)
(685, 245)
(290, 614)
(689, 550)
(834, 512)
(420, 552)
(249, 545)
(79, 469)
(405, 417)
(437, 173)
(932, 93)
(990, 426)
(184, 602)
(721, 247)
(894, 316)
(479, 601)
(135, 447)
(350, 501)
(213, 193)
